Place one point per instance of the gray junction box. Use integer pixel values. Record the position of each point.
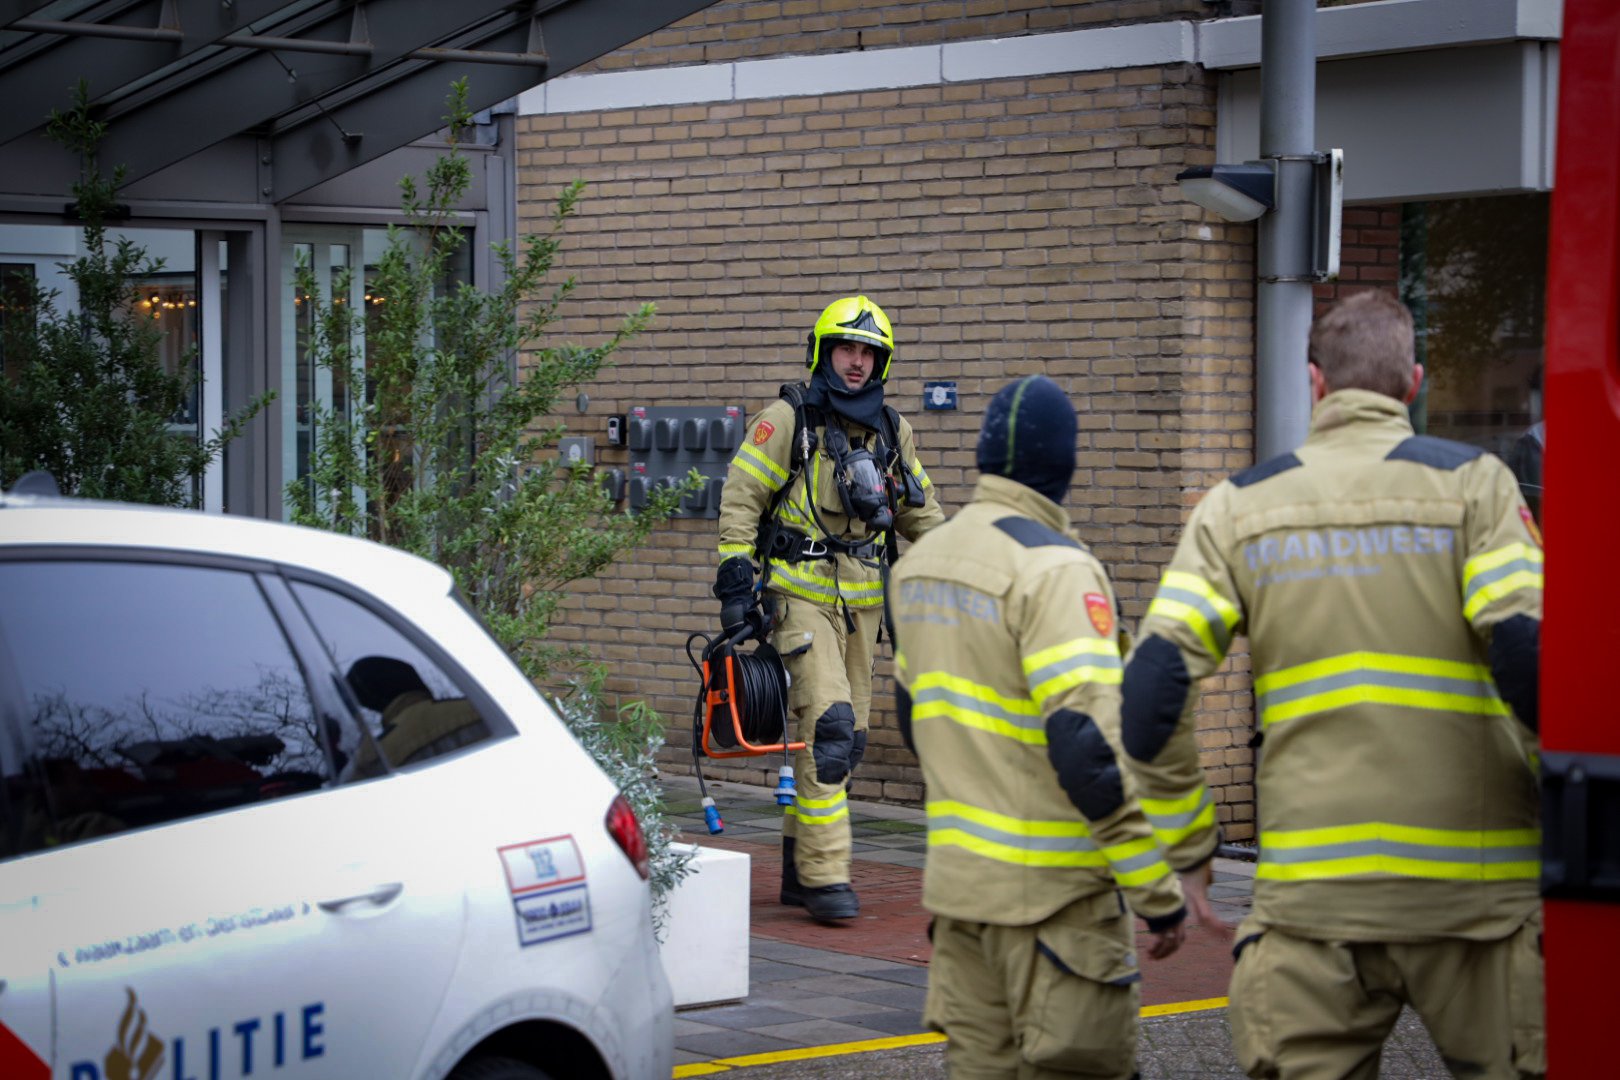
(666, 442)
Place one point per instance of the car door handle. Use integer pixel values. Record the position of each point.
(378, 897)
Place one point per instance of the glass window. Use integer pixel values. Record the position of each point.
(163, 288)
(1474, 272)
(414, 711)
(16, 306)
(150, 692)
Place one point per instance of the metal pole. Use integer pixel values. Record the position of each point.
(1283, 302)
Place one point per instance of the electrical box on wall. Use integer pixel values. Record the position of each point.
(667, 442)
(577, 449)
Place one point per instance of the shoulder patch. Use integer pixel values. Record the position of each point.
(1102, 616)
(1265, 470)
(1530, 526)
(1032, 533)
(1434, 452)
(763, 432)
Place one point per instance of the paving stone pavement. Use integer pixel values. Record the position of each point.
(812, 985)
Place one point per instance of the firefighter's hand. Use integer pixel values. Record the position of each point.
(1195, 887)
(733, 614)
(734, 588)
(1163, 943)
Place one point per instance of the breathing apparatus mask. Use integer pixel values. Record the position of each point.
(863, 486)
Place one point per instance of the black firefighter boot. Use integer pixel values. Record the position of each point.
(791, 895)
(828, 903)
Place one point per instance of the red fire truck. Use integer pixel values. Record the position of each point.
(1580, 726)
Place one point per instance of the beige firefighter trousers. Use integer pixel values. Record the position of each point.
(828, 666)
(1055, 999)
(1320, 1010)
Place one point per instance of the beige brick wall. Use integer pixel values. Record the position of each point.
(1009, 227)
(1015, 226)
(756, 29)
(1370, 254)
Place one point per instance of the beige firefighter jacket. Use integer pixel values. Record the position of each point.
(1002, 620)
(763, 465)
(1396, 791)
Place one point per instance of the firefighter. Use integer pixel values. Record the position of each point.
(825, 477)
(1008, 666)
(1390, 587)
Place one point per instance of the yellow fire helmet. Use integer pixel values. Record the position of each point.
(857, 319)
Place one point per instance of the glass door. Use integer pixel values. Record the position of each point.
(309, 388)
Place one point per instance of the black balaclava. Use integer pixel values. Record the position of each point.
(1029, 436)
(828, 393)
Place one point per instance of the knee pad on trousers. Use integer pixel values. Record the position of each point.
(857, 751)
(835, 739)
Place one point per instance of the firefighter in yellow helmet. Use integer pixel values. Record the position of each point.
(826, 476)
(1390, 587)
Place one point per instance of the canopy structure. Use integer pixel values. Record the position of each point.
(259, 100)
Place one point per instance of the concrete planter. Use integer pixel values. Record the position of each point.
(705, 947)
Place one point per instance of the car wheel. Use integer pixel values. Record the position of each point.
(497, 1068)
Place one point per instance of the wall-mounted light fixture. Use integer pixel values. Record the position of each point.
(1235, 192)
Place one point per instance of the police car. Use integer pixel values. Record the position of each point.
(274, 804)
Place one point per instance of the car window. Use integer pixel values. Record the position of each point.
(148, 692)
(415, 711)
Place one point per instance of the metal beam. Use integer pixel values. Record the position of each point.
(67, 28)
(12, 10)
(353, 129)
(394, 113)
(195, 113)
(31, 88)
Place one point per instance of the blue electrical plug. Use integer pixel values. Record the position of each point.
(711, 817)
(784, 787)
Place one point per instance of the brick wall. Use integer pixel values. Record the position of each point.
(1008, 227)
(756, 29)
(1369, 254)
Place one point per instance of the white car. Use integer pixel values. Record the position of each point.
(274, 804)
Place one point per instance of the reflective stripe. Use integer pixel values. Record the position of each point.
(1379, 847)
(951, 697)
(754, 461)
(728, 551)
(1137, 862)
(1412, 682)
(1495, 574)
(793, 578)
(1081, 660)
(783, 578)
(1174, 820)
(1039, 843)
(826, 811)
(1009, 839)
(790, 515)
(1189, 599)
(917, 471)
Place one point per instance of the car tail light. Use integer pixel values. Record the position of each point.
(626, 832)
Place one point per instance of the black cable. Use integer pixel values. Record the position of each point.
(760, 693)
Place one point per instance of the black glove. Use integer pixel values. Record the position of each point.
(734, 588)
